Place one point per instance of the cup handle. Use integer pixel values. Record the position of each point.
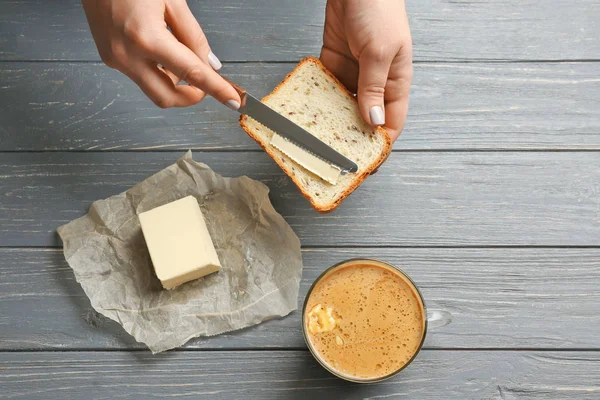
(438, 318)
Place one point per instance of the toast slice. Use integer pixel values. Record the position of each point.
(313, 98)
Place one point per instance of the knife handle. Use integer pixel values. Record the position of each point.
(241, 92)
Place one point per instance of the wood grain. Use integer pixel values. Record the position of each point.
(489, 77)
(287, 30)
(61, 106)
(497, 298)
(295, 375)
(416, 199)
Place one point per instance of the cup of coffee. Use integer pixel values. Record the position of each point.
(364, 320)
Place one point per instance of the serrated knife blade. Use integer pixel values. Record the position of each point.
(321, 168)
(270, 118)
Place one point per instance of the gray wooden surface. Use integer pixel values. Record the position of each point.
(491, 202)
(295, 375)
(497, 298)
(286, 30)
(415, 199)
(67, 106)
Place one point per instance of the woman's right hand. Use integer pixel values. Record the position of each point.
(132, 37)
(367, 45)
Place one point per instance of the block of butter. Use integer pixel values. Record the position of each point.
(179, 242)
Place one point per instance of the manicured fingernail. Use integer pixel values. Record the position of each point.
(234, 105)
(214, 61)
(377, 116)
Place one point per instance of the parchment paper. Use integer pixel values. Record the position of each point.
(259, 253)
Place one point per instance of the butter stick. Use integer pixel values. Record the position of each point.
(179, 242)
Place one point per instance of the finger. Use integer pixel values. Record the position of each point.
(159, 87)
(342, 66)
(174, 78)
(374, 67)
(186, 29)
(397, 93)
(176, 81)
(396, 112)
(180, 60)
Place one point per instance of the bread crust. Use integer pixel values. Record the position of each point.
(358, 179)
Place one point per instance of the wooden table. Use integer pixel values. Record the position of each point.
(491, 201)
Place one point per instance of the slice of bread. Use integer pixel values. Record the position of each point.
(313, 98)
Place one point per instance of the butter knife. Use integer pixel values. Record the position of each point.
(270, 118)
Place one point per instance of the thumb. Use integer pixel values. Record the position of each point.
(373, 69)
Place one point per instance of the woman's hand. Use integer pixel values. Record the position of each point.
(132, 37)
(367, 45)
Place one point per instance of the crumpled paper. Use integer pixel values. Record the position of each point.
(259, 253)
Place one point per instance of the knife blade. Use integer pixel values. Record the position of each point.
(270, 118)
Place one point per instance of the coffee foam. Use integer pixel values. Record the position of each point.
(379, 325)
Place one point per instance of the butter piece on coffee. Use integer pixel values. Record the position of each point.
(179, 242)
(321, 319)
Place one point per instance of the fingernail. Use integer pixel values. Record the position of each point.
(234, 105)
(214, 61)
(377, 116)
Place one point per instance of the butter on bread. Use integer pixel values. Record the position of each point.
(313, 98)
